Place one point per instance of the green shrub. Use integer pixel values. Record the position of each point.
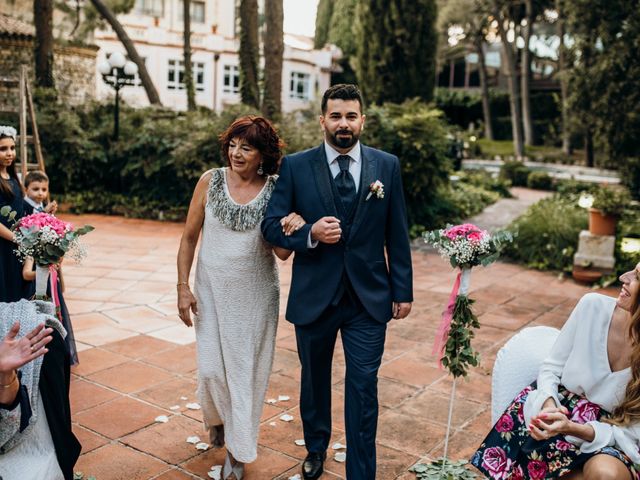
(417, 134)
(484, 179)
(611, 200)
(547, 233)
(540, 181)
(152, 168)
(568, 187)
(516, 172)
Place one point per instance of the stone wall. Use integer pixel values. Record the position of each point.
(74, 70)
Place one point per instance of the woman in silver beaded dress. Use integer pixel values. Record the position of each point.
(236, 299)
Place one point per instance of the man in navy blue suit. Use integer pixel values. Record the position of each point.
(351, 197)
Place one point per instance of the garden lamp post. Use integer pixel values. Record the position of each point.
(117, 72)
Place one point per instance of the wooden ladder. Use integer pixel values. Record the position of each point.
(25, 108)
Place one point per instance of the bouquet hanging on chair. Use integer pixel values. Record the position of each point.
(465, 246)
(46, 239)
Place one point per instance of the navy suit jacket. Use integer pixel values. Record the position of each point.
(304, 187)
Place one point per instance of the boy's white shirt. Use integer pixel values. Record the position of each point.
(33, 203)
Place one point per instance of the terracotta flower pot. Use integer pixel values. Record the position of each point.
(600, 224)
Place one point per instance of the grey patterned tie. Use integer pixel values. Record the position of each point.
(345, 183)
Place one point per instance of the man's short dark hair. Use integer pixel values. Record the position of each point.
(341, 91)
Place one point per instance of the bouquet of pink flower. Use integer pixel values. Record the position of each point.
(47, 238)
(467, 246)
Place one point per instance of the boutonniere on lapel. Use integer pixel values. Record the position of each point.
(377, 189)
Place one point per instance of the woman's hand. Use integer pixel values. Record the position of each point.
(292, 223)
(186, 302)
(14, 353)
(551, 421)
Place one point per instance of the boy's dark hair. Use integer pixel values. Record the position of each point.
(341, 91)
(35, 176)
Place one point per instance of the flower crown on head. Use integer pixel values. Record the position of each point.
(7, 131)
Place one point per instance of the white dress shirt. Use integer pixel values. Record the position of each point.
(355, 165)
(579, 361)
(37, 207)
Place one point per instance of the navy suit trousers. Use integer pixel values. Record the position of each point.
(363, 343)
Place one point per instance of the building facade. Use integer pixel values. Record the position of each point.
(155, 26)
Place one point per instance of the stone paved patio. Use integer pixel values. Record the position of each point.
(137, 361)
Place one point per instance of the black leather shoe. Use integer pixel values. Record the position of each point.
(312, 467)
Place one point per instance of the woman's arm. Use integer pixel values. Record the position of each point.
(290, 224)
(191, 233)
(6, 233)
(27, 270)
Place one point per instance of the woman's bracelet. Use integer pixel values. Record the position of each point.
(15, 377)
(182, 283)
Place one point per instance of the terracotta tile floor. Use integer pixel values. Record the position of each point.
(137, 362)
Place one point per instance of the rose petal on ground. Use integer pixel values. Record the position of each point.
(272, 401)
(300, 442)
(340, 457)
(174, 407)
(284, 398)
(273, 424)
(202, 446)
(183, 398)
(193, 406)
(162, 419)
(193, 439)
(215, 472)
(286, 418)
(295, 477)
(338, 446)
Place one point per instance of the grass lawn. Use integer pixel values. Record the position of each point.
(541, 153)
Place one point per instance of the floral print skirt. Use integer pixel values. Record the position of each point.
(509, 452)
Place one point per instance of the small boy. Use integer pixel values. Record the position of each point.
(37, 186)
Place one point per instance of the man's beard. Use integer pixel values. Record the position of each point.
(344, 142)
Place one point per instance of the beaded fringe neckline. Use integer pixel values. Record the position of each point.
(233, 215)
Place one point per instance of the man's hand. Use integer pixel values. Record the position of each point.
(401, 310)
(326, 230)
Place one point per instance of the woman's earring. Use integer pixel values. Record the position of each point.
(260, 170)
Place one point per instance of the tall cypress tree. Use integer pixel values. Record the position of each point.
(323, 21)
(396, 49)
(249, 51)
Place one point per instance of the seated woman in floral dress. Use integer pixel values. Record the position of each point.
(581, 419)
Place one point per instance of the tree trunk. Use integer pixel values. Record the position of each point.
(512, 76)
(564, 89)
(188, 67)
(525, 76)
(249, 48)
(484, 90)
(43, 52)
(145, 79)
(452, 72)
(273, 52)
(589, 156)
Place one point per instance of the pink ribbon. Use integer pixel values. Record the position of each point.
(445, 324)
(53, 276)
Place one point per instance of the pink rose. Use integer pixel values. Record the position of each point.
(495, 461)
(517, 473)
(585, 411)
(504, 423)
(563, 446)
(537, 469)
